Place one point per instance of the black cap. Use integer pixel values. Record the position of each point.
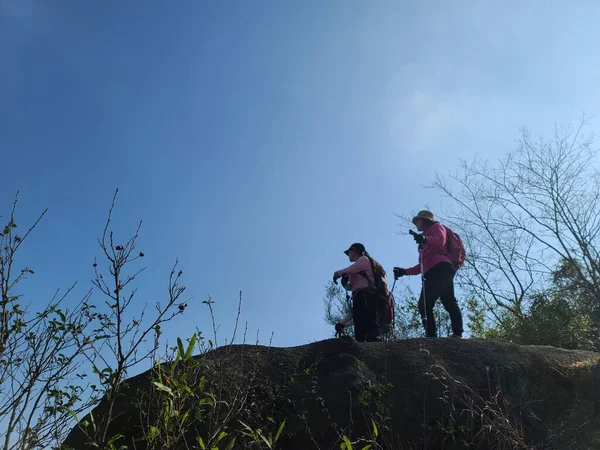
(356, 246)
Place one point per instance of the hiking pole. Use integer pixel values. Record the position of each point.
(394, 306)
(422, 283)
(423, 287)
(348, 301)
(342, 332)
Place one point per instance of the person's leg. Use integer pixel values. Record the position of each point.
(359, 314)
(449, 300)
(372, 322)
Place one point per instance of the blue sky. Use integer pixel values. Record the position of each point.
(257, 140)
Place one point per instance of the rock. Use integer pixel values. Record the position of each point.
(419, 393)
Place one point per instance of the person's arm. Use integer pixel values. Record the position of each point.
(346, 321)
(414, 270)
(359, 265)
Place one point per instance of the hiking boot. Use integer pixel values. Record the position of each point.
(456, 336)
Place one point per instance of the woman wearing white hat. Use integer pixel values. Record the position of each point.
(438, 273)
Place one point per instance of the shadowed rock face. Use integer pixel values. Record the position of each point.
(421, 393)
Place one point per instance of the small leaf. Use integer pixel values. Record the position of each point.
(190, 349)
(201, 443)
(175, 361)
(375, 430)
(153, 433)
(230, 445)
(114, 439)
(93, 421)
(266, 441)
(184, 418)
(206, 401)
(180, 348)
(346, 445)
(162, 387)
(280, 430)
(245, 426)
(221, 435)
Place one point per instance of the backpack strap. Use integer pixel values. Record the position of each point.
(372, 284)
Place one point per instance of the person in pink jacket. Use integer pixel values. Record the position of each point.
(359, 279)
(438, 273)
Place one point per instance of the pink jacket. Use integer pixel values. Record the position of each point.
(356, 280)
(433, 251)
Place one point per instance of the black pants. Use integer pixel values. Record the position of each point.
(364, 316)
(439, 283)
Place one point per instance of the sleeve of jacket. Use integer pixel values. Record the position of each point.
(361, 264)
(436, 237)
(414, 270)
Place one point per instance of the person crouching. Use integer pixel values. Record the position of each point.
(361, 282)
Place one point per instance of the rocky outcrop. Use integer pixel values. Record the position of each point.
(412, 394)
